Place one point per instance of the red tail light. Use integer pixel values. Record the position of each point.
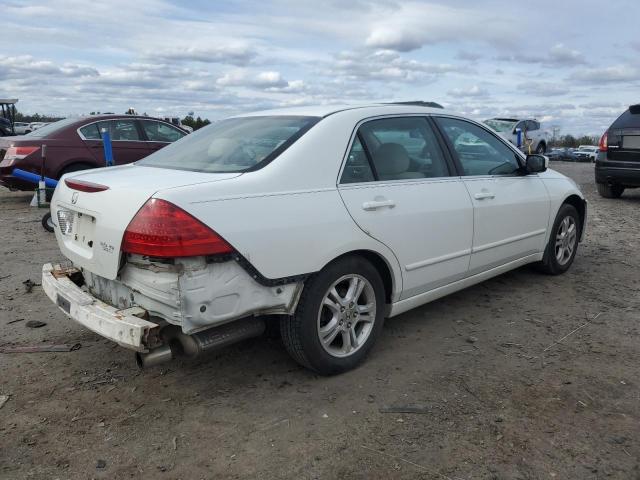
(161, 229)
(84, 186)
(18, 153)
(602, 146)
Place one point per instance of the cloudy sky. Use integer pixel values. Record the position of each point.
(574, 64)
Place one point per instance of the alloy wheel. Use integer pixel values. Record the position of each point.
(346, 315)
(566, 239)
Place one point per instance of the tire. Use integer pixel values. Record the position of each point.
(558, 258)
(541, 149)
(301, 332)
(47, 223)
(75, 167)
(609, 191)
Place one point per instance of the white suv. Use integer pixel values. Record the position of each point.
(328, 218)
(532, 140)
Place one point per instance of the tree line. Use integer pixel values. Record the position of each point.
(570, 141)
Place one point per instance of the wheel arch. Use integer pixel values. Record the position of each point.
(581, 206)
(380, 264)
(75, 162)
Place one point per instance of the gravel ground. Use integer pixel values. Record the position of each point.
(525, 376)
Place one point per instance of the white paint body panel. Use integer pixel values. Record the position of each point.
(511, 216)
(291, 218)
(429, 227)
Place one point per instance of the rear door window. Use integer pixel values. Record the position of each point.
(124, 130)
(357, 168)
(399, 148)
(91, 132)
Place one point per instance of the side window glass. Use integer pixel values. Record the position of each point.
(91, 132)
(531, 126)
(357, 168)
(161, 132)
(479, 152)
(124, 130)
(404, 148)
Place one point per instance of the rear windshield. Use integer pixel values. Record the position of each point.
(627, 120)
(500, 125)
(52, 128)
(232, 145)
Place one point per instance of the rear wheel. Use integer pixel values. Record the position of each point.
(338, 318)
(563, 241)
(542, 148)
(609, 191)
(75, 167)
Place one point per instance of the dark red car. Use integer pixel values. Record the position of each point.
(76, 144)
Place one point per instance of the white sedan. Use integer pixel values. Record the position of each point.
(326, 220)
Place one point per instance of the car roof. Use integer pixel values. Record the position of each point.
(326, 110)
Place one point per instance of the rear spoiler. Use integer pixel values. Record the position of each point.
(634, 109)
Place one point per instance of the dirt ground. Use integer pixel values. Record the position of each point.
(525, 376)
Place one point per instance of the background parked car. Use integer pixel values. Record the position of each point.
(20, 128)
(76, 144)
(565, 154)
(532, 133)
(586, 153)
(35, 126)
(618, 161)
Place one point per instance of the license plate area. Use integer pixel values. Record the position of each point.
(631, 142)
(63, 303)
(78, 230)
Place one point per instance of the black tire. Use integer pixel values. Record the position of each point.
(47, 223)
(541, 149)
(609, 191)
(75, 167)
(550, 263)
(300, 331)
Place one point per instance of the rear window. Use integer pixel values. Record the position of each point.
(232, 145)
(627, 120)
(52, 128)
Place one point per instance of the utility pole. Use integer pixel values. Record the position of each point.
(555, 129)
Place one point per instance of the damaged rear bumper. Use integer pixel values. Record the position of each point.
(120, 325)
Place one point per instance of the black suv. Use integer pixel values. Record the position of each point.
(618, 161)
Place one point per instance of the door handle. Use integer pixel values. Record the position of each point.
(483, 195)
(376, 204)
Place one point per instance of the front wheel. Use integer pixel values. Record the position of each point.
(563, 241)
(338, 318)
(47, 223)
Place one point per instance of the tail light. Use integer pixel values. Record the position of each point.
(602, 146)
(161, 229)
(84, 186)
(18, 153)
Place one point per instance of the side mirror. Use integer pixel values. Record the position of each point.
(537, 163)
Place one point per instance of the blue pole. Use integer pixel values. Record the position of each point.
(33, 178)
(518, 137)
(108, 151)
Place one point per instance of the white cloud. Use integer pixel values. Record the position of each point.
(610, 74)
(473, 91)
(543, 89)
(415, 24)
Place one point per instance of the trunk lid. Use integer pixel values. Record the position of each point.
(90, 225)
